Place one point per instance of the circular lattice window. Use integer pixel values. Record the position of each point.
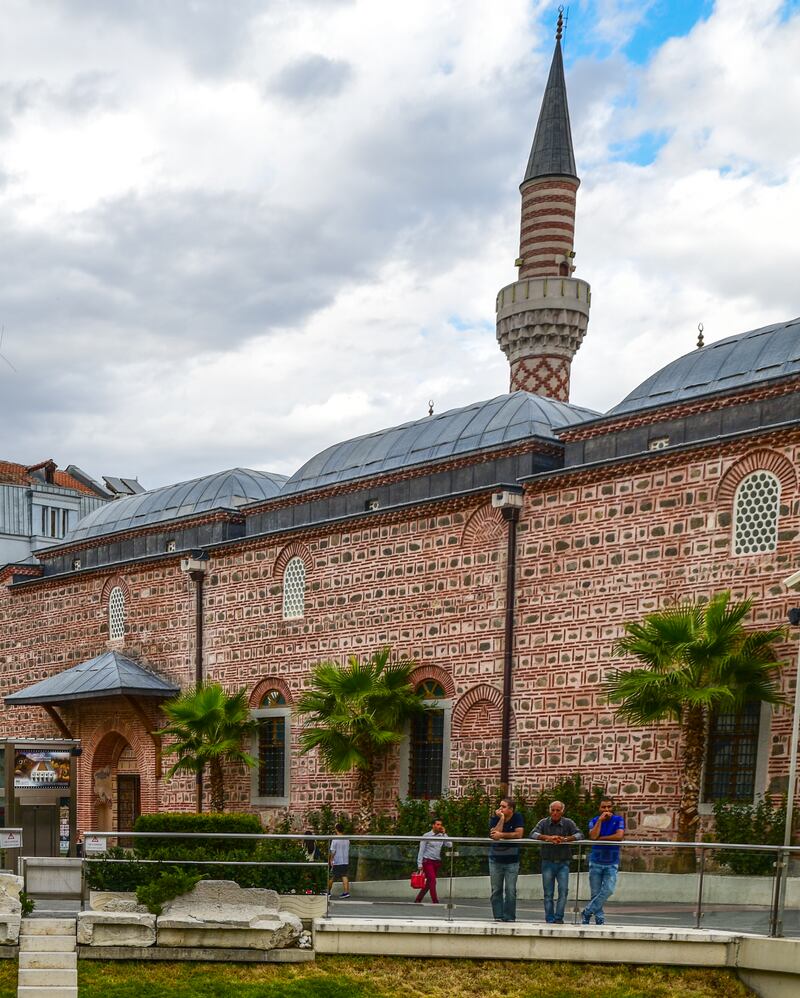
(756, 514)
(294, 589)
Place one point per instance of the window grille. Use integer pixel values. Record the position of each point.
(732, 754)
(172, 546)
(427, 746)
(271, 756)
(273, 698)
(756, 514)
(294, 589)
(273, 724)
(116, 613)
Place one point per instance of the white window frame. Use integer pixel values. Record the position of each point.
(255, 799)
(296, 560)
(116, 629)
(736, 513)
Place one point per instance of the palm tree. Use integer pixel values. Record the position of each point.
(356, 714)
(208, 726)
(697, 658)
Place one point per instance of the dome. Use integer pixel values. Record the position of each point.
(503, 420)
(223, 490)
(736, 362)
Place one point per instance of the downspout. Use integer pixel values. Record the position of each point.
(509, 504)
(197, 578)
(195, 568)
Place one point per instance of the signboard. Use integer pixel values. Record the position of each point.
(10, 838)
(41, 769)
(94, 843)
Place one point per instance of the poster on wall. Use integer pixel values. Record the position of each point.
(41, 768)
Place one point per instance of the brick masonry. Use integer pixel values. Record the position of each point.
(594, 550)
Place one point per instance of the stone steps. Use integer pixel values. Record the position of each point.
(48, 959)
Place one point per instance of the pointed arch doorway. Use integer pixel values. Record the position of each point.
(116, 784)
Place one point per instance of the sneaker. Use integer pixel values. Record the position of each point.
(599, 921)
(586, 918)
(347, 895)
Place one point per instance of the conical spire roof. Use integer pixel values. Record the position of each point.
(551, 153)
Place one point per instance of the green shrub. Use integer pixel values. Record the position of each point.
(187, 823)
(103, 875)
(168, 885)
(27, 902)
(748, 824)
(465, 816)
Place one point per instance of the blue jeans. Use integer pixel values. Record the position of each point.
(555, 872)
(602, 882)
(503, 877)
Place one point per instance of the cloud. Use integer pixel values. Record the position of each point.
(233, 240)
(312, 77)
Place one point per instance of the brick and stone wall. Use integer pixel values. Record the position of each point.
(596, 549)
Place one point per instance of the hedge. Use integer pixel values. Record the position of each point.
(113, 876)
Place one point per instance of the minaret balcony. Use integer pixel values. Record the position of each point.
(544, 293)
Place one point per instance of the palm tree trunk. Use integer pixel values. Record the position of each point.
(366, 798)
(217, 786)
(694, 745)
(364, 815)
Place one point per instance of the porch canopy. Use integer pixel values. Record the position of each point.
(107, 675)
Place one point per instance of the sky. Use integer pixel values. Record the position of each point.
(236, 233)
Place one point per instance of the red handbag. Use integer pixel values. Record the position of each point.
(417, 880)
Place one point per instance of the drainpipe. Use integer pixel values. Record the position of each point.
(195, 568)
(509, 503)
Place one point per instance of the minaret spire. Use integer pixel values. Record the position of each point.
(542, 317)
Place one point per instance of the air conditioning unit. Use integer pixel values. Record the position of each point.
(507, 500)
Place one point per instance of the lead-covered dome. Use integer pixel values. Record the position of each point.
(222, 490)
(736, 362)
(499, 421)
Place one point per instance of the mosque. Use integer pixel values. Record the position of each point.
(501, 545)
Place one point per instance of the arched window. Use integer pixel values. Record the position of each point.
(429, 743)
(755, 514)
(116, 614)
(294, 589)
(270, 784)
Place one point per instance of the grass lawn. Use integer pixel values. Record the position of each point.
(366, 977)
(8, 978)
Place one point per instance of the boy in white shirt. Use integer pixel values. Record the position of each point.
(339, 862)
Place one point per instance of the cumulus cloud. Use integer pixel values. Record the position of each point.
(235, 237)
(311, 77)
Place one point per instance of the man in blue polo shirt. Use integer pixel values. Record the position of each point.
(603, 860)
(506, 828)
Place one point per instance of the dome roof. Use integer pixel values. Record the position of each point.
(223, 490)
(736, 362)
(502, 420)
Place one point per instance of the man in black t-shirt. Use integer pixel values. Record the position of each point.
(506, 827)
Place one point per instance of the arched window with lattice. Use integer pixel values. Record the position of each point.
(116, 614)
(755, 514)
(294, 589)
(429, 744)
(270, 780)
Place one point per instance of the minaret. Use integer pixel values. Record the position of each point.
(542, 317)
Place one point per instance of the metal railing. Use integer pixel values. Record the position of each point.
(372, 854)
